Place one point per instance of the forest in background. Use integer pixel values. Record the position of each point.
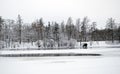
(56, 34)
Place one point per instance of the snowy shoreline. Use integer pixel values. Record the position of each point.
(63, 52)
(49, 54)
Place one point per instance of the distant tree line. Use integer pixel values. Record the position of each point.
(56, 33)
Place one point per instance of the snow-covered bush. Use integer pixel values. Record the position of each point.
(49, 43)
(15, 44)
(39, 43)
(72, 43)
(63, 43)
(112, 43)
(2, 44)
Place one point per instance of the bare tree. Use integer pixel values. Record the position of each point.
(84, 28)
(93, 32)
(39, 27)
(1, 33)
(118, 33)
(1, 27)
(63, 28)
(78, 25)
(78, 32)
(110, 26)
(69, 27)
(8, 33)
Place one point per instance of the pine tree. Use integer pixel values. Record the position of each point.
(56, 33)
(19, 22)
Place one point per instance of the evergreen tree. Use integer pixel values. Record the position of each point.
(19, 22)
(56, 33)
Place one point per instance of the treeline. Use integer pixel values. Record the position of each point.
(56, 33)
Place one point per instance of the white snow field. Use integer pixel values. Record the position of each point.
(107, 63)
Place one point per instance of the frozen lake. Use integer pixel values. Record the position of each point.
(108, 63)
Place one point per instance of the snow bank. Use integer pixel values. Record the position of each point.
(63, 44)
(99, 44)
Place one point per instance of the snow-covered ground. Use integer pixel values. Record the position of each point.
(102, 51)
(107, 63)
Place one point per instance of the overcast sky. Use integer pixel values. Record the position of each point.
(59, 10)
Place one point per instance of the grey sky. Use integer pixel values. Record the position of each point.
(58, 10)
